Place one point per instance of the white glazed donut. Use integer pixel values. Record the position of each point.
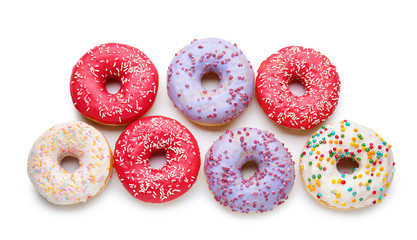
(347, 141)
(79, 140)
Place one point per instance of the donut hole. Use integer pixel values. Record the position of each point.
(296, 87)
(347, 165)
(249, 169)
(210, 81)
(158, 159)
(70, 163)
(113, 85)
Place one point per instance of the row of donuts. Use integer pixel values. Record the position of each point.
(139, 84)
(273, 181)
(269, 186)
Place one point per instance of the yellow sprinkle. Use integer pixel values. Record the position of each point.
(343, 204)
(333, 181)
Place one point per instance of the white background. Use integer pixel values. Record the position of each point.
(372, 44)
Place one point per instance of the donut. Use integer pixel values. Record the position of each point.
(217, 106)
(78, 140)
(314, 71)
(128, 65)
(139, 141)
(268, 187)
(370, 177)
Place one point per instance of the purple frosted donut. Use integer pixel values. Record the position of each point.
(268, 187)
(217, 106)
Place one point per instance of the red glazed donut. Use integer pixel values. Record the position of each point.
(136, 73)
(136, 145)
(314, 71)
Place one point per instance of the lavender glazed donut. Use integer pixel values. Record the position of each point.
(268, 187)
(217, 106)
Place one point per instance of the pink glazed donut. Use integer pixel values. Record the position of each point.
(314, 71)
(139, 141)
(128, 65)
